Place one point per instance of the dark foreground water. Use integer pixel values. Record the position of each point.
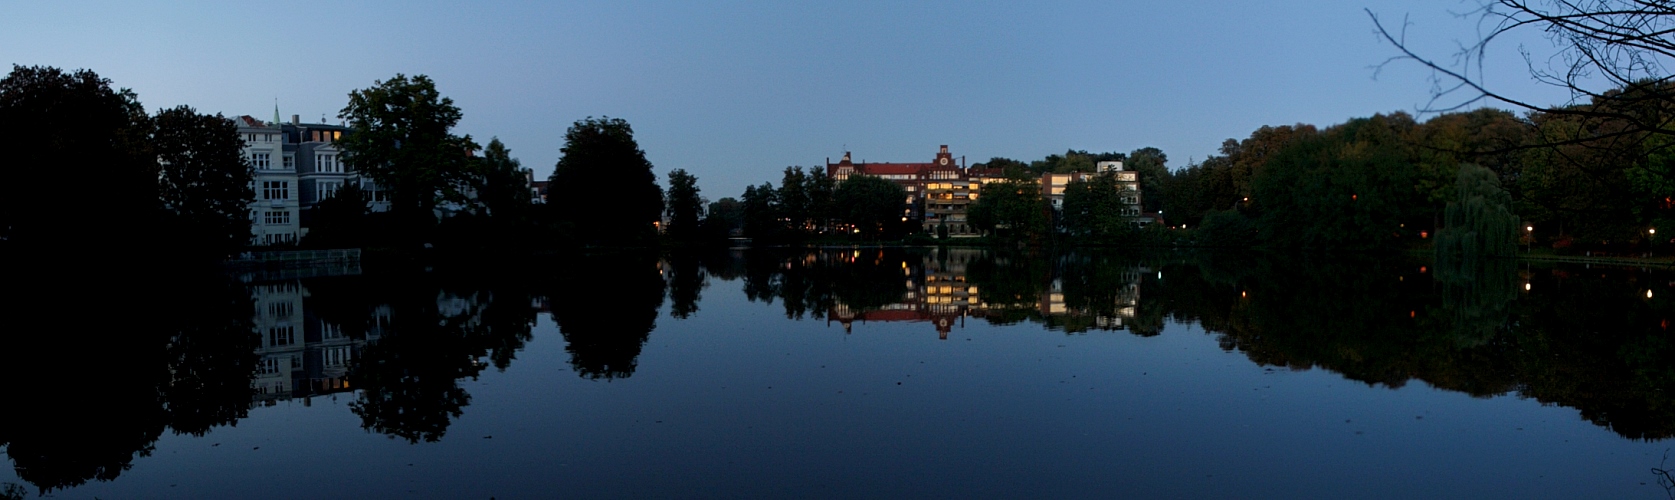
(849, 373)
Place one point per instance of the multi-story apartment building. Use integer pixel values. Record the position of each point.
(297, 165)
(275, 213)
(1128, 184)
(320, 168)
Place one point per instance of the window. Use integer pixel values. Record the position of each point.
(276, 190)
(269, 366)
(290, 162)
(259, 160)
(275, 218)
(282, 335)
(324, 189)
(335, 356)
(280, 309)
(326, 163)
(330, 331)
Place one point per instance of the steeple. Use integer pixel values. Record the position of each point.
(275, 112)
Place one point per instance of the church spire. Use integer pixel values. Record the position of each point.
(276, 111)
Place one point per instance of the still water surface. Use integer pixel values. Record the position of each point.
(863, 373)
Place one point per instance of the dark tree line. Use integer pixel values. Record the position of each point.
(176, 180)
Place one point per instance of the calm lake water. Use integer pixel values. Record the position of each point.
(849, 373)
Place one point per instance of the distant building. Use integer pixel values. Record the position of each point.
(297, 165)
(938, 191)
(1128, 183)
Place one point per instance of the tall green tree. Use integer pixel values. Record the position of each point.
(794, 201)
(1479, 221)
(1095, 208)
(685, 206)
(603, 187)
(1012, 210)
(760, 209)
(821, 206)
(501, 183)
(403, 139)
(205, 183)
(1153, 167)
(722, 217)
(1351, 187)
(53, 122)
(872, 204)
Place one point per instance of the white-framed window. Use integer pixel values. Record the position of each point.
(329, 331)
(282, 335)
(269, 366)
(276, 190)
(334, 357)
(259, 161)
(327, 163)
(290, 162)
(276, 217)
(280, 309)
(325, 189)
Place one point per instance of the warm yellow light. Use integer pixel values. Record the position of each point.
(1648, 294)
(1529, 228)
(1526, 287)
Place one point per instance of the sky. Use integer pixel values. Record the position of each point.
(734, 92)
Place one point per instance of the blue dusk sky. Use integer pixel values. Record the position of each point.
(736, 91)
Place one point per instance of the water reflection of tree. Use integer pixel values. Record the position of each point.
(687, 280)
(439, 329)
(1011, 284)
(606, 307)
(1593, 342)
(175, 356)
(811, 282)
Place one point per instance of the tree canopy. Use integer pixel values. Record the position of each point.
(403, 140)
(205, 183)
(870, 203)
(686, 206)
(53, 122)
(603, 187)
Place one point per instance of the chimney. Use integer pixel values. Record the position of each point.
(296, 119)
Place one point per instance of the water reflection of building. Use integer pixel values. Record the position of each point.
(1114, 316)
(300, 354)
(938, 290)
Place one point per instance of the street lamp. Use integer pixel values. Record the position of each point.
(1529, 238)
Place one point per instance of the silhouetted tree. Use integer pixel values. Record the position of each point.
(403, 140)
(872, 204)
(606, 307)
(685, 208)
(205, 182)
(603, 186)
(55, 122)
(502, 184)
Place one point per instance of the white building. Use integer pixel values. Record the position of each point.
(276, 212)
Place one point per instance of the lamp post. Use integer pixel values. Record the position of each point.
(1529, 238)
